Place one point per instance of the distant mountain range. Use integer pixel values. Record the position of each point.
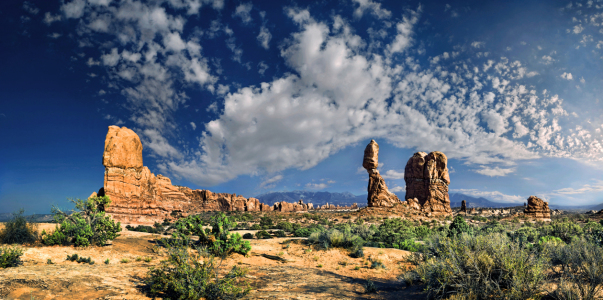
(316, 198)
(347, 198)
(37, 218)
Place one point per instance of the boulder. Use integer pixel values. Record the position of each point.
(537, 208)
(427, 180)
(371, 156)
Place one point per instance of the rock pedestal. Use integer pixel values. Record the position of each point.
(378, 194)
(537, 208)
(464, 206)
(139, 197)
(427, 180)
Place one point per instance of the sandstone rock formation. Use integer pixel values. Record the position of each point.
(378, 194)
(139, 197)
(284, 206)
(427, 180)
(464, 206)
(537, 208)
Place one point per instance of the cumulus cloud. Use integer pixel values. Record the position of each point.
(567, 76)
(403, 38)
(493, 196)
(397, 189)
(586, 188)
(494, 172)
(268, 183)
(264, 37)
(50, 18)
(371, 6)
(316, 186)
(243, 11)
(477, 44)
(393, 174)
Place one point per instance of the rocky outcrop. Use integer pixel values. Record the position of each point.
(464, 206)
(378, 194)
(427, 180)
(283, 206)
(139, 197)
(328, 206)
(537, 208)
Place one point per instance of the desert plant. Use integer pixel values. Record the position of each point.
(18, 230)
(582, 264)
(263, 234)
(218, 240)
(333, 238)
(369, 287)
(124, 261)
(459, 226)
(107, 261)
(187, 274)
(88, 225)
(248, 236)
(49, 262)
(255, 227)
(481, 267)
(10, 256)
(148, 259)
(394, 231)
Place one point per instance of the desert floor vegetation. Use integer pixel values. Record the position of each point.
(363, 255)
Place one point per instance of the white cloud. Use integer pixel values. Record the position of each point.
(268, 183)
(403, 38)
(50, 18)
(586, 188)
(193, 125)
(30, 8)
(243, 11)
(578, 28)
(316, 186)
(397, 189)
(393, 174)
(567, 76)
(494, 172)
(478, 44)
(373, 7)
(495, 196)
(547, 60)
(55, 35)
(262, 67)
(264, 37)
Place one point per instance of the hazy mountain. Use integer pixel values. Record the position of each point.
(457, 198)
(316, 198)
(37, 218)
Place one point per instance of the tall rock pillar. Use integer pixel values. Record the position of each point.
(427, 180)
(378, 194)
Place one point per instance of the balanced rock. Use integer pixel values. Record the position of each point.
(537, 208)
(139, 197)
(427, 180)
(378, 194)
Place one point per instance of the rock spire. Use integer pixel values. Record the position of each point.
(378, 194)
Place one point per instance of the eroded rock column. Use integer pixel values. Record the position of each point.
(378, 194)
(427, 180)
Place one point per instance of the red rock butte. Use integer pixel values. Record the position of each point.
(140, 197)
(427, 180)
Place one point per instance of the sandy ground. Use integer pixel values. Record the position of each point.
(308, 274)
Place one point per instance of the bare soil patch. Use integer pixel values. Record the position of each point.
(308, 273)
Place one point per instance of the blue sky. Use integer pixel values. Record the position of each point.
(250, 97)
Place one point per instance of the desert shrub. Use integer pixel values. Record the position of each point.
(256, 227)
(286, 226)
(481, 267)
(248, 236)
(87, 225)
(187, 274)
(394, 231)
(80, 259)
(18, 231)
(307, 231)
(526, 234)
(564, 229)
(10, 256)
(280, 233)
(218, 240)
(582, 265)
(459, 226)
(492, 227)
(422, 231)
(263, 234)
(143, 228)
(266, 223)
(333, 238)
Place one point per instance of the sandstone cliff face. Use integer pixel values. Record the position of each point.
(427, 180)
(140, 197)
(537, 208)
(378, 194)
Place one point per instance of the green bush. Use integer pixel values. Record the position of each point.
(280, 233)
(481, 267)
(10, 256)
(565, 230)
(493, 227)
(188, 275)
(422, 231)
(88, 225)
(286, 226)
(307, 231)
(256, 227)
(263, 234)
(248, 236)
(526, 234)
(266, 223)
(148, 229)
(394, 232)
(582, 265)
(459, 226)
(18, 231)
(333, 238)
(218, 240)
